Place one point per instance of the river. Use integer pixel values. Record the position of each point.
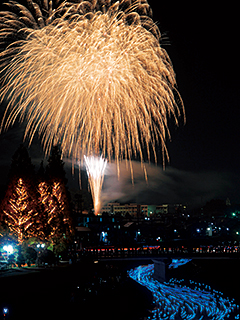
(91, 290)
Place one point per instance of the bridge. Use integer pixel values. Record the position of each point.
(150, 252)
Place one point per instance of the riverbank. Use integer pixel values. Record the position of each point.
(83, 291)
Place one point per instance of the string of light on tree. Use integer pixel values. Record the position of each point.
(20, 215)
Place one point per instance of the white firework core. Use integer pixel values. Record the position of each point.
(95, 168)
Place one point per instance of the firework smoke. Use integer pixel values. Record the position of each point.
(89, 75)
(95, 168)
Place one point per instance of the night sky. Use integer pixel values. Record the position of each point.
(201, 40)
(203, 49)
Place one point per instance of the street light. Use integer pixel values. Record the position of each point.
(39, 245)
(8, 248)
(5, 312)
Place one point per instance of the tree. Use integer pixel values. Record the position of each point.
(62, 218)
(48, 208)
(53, 198)
(21, 165)
(30, 255)
(55, 215)
(46, 256)
(55, 168)
(4, 231)
(11, 260)
(20, 257)
(38, 206)
(41, 173)
(20, 209)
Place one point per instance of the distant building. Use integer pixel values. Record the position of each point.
(134, 209)
(164, 209)
(119, 210)
(144, 210)
(151, 210)
(109, 207)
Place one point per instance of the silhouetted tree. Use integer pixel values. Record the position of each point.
(30, 255)
(55, 168)
(41, 173)
(21, 166)
(20, 257)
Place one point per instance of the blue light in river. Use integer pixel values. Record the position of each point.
(178, 262)
(174, 300)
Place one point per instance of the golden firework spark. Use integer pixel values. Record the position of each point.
(91, 76)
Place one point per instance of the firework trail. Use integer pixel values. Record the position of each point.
(95, 169)
(90, 75)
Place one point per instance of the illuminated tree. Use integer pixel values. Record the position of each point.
(20, 210)
(55, 218)
(19, 203)
(37, 209)
(62, 222)
(4, 231)
(53, 199)
(48, 207)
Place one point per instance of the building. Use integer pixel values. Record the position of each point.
(116, 208)
(164, 209)
(134, 209)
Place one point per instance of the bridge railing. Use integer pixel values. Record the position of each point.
(120, 252)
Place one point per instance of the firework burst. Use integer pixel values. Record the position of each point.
(95, 168)
(90, 75)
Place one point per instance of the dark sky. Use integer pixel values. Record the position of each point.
(203, 49)
(202, 42)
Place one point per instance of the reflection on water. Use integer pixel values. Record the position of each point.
(180, 299)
